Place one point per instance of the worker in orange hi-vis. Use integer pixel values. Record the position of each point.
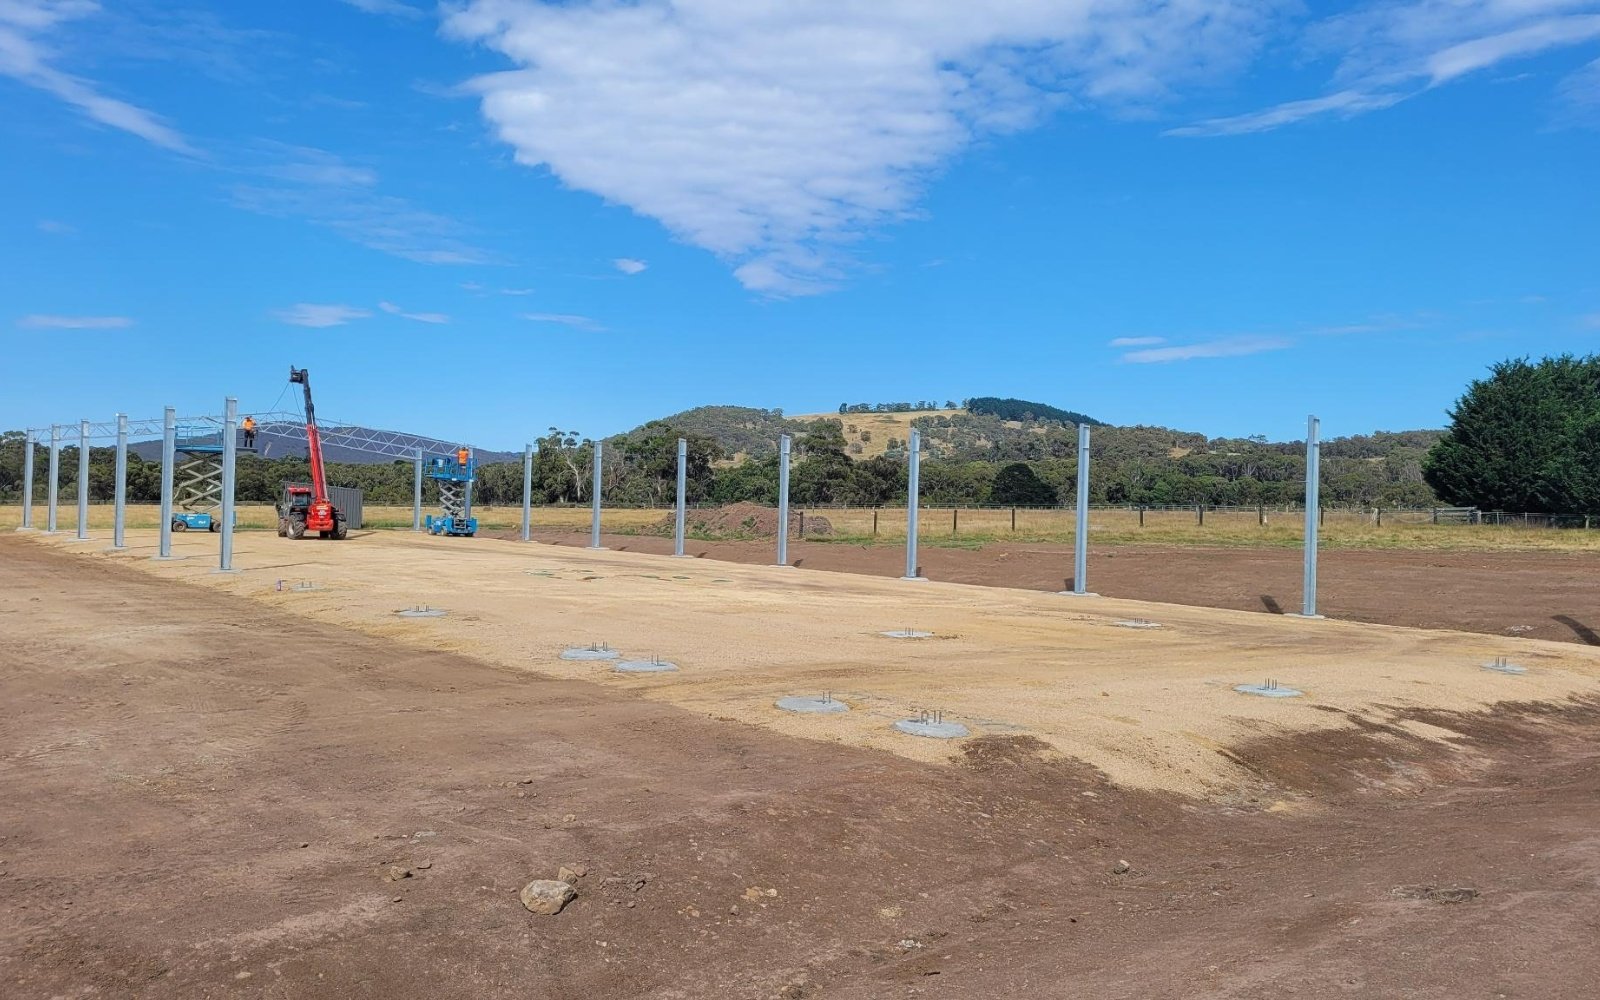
(249, 428)
(462, 456)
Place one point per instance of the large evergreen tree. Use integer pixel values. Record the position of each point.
(1525, 439)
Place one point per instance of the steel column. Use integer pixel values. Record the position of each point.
(913, 487)
(83, 482)
(27, 481)
(230, 455)
(683, 500)
(169, 458)
(527, 492)
(119, 524)
(416, 496)
(594, 520)
(1308, 607)
(54, 486)
(1080, 544)
(466, 489)
(783, 500)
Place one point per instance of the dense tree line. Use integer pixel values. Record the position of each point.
(1022, 409)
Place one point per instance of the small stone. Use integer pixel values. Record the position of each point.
(304, 844)
(424, 865)
(567, 875)
(526, 781)
(395, 873)
(1121, 868)
(569, 818)
(398, 899)
(547, 896)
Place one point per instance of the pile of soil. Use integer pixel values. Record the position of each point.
(741, 520)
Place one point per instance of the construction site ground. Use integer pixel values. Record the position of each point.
(270, 783)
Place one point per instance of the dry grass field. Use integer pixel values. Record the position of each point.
(880, 427)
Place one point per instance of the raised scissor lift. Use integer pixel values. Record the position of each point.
(455, 486)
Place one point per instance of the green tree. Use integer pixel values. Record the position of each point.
(1525, 439)
(1019, 485)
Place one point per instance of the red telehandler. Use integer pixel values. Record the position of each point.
(308, 508)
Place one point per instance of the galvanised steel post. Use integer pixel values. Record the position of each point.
(913, 487)
(783, 500)
(120, 523)
(1308, 606)
(1080, 545)
(27, 482)
(466, 493)
(169, 457)
(683, 485)
(527, 492)
(416, 496)
(594, 520)
(230, 455)
(54, 486)
(83, 481)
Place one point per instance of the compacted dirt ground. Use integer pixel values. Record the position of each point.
(1537, 595)
(206, 796)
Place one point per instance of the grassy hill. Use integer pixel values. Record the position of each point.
(873, 431)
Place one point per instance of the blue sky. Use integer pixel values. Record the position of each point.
(481, 219)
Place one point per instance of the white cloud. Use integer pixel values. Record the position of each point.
(1386, 52)
(310, 314)
(1227, 347)
(516, 291)
(627, 265)
(55, 228)
(564, 319)
(775, 134)
(1345, 104)
(394, 310)
(1137, 341)
(324, 189)
(40, 322)
(472, 286)
(26, 56)
(393, 8)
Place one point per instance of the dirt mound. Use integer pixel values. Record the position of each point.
(741, 520)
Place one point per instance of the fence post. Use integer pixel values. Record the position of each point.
(1141, 515)
(83, 482)
(27, 481)
(955, 520)
(783, 499)
(874, 522)
(913, 487)
(527, 492)
(683, 485)
(1308, 608)
(1261, 516)
(230, 454)
(1200, 514)
(1080, 545)
(594, 517)
(1013, 519)
(169, 457)
(1378, 514)
(802, 525)
(119, 522)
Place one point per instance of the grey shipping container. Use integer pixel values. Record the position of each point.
(346, 498)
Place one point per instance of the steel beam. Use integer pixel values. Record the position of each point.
(27, 481)
(119, 524)
(594, 518)
(416, 495)
(527, 492)
(683, 500)
(1308, 603)
(53, 488)
(783, 500)
(230, 455)
(913, 488)
(169, 459)
(1080, 541)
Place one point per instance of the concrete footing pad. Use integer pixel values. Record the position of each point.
(825, 705)
(932, 729)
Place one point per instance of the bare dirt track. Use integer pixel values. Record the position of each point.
(1536, 595)
(166, 749)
